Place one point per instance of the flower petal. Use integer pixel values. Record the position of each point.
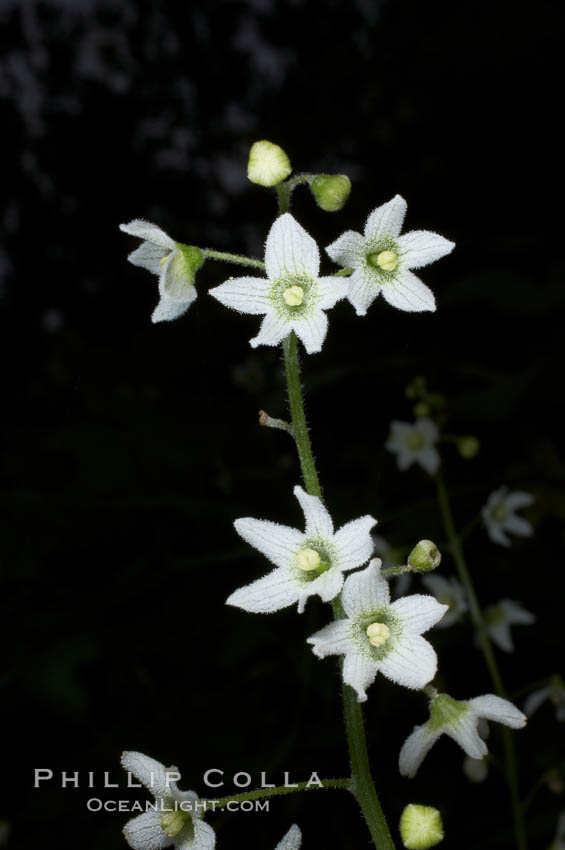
(419, 612)
(359, 672)
(144, 832)
(415, 748)
(169, 308)
(427, 428)
(279, 543)
(465, 733)
(204, 837)
(412, 663)
(273, 592)
(515, 613)
(331, 290)
(145, 230)
(518, 499)
(318, 521)
(148, 256)
(327, 586)
(501, 710)
(347, 249)
(312, 329)
(244, 294)
(292, 840)
(387, 220)
(362, 291)
(407, 292)
(290, 251)
(536, 699)
(354, 543)
(151, 773)
(501, 636)
(333, 639)
(518, 525)
(365, 591)
(274, 328)
(422, 247)
(429, 459)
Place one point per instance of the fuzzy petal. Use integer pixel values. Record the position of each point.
(407, 292)
(144, 832)
(412, 663)
(365, 591)
(204, 837)
(359, 672)
(518, 525)
(318, 521)
(244, 294)
(169, 308)
(290, 251)
(333, 639)
(386, 220)
(150, 232)
(273, 592)
(362, 291)
(148, 256)
(278, 543)
(419, 612)
(518, 499)
(292, 840)
(274, 328)
(421, 247)
(501, 710)
(415, 748)
(347, 249)
(331, 290)
(312, 330)
(354, 542)
(151, 773)
(327, 586)
(465, 733)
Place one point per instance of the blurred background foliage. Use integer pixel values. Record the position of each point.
(130, 448)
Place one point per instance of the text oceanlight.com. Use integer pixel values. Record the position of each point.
(95, 804)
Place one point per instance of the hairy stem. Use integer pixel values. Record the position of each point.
(279, 790)
(232, 258)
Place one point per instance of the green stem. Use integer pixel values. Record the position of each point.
(488, 653)
(299, 426)
(279, 790)
(232, 258)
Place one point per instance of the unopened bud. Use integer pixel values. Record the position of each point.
(424, 557)
(420, 827)
(468, 447)
(331, 191)
(421, 409)
(268, 164)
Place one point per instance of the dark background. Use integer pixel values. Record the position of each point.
(129, 448)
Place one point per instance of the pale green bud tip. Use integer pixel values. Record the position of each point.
(173, 822)
(378, 633)
(268, 164)
(308, 559)
(424, 557)
(385, 260)
(294, 296)
(420, 827)
(468, 447)
(331, 191)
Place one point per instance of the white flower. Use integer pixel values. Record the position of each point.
(293, 297)
(476, 770)
(498, 619)
(500, 518)
(176, 820)
(379, 636)
(459, 719)
(554, 692)
(448, 591)
(174, 264)
(308, 562)
(382, 260)
(558, 842)
(292, 840)
(415, 443)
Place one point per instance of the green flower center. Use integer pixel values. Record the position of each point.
(500, 513)
(385, 260)
(446, 711)
(378, 634)
(173, 822)
(294, 296)
(415, 442)
(312, 561)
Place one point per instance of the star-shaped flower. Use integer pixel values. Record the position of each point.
(175, 265)
(500, 518)
(382, 260)
(459, 719)
(293, 297)
(175, 821)
(498, 619)
(448, 591)
(379, 636)
(415, 443)
(308, 562)
(554, 692)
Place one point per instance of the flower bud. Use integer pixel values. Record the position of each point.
(468, 447)
(268, 164)
(422, 409)
(331, 191)
(424, 557)
(420, 827)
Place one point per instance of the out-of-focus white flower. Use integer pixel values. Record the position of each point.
(379, 636)
(558, 842)
(174, 264)
(176, 819)
(292, 840)
(500, 518)
(293, 297)
(308, 562)
(448, 591)
(415, 443)
(459, 720)
(498, 619)
(476, 770)
(382, 260)
(554, 692)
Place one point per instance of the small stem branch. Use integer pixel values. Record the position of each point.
(268, 422)
(232, 258)
(262, 793)
(488, 653)
(396, 571)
